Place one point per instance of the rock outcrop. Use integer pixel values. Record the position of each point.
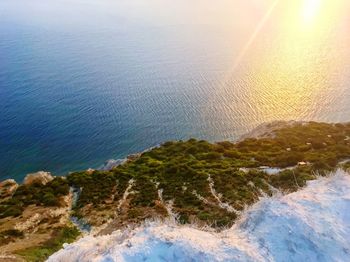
(7, 187)
(38, 177)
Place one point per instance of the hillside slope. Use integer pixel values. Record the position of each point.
(189, 181)
(312, 224)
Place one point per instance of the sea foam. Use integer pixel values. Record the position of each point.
(312, 224)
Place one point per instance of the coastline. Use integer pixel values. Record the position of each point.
(193, 181)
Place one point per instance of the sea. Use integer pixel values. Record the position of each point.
(84, 81)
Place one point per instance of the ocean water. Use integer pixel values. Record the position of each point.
(83, 81)
(312, 224)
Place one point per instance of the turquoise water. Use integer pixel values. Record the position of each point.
(82, 82)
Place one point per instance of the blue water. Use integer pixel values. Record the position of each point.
(82, 82)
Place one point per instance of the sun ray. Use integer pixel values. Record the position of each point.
(254, 35)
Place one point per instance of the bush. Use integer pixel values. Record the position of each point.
(317, 145)
(49, 199)
(289, 159)
(232, 154)
(12, 233)
(13, 211)
(135, 213)
(212, 156)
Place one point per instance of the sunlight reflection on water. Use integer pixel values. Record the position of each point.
(116, 77)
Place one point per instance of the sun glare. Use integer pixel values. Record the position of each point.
(310, 10)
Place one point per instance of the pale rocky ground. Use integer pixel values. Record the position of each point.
(37, 222)
(41, 177)
(7, 187)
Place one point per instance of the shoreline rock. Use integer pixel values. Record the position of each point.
(40, 177)
(8, 187)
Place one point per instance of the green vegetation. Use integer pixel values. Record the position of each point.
(196, 180)
(41, 253)
(181, 170)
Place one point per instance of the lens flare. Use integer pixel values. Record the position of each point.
(310, 10)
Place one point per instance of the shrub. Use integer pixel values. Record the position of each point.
(212, 156)
(232, 154)
(288, 159)
(49, 199)
(12, 233)
(13, 211)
